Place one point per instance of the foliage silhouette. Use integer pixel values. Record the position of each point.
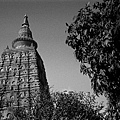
(62, 106)
(76, 106)
(94, 35)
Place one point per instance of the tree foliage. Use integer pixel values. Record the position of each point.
(62, 106)
(94, 35)
(76, 106)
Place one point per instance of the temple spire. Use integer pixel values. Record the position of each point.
(25, 31)
(24, 38)
(25, 22)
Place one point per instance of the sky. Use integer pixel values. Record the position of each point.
(47, 19)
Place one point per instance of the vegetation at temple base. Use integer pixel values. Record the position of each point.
(62, 106)
(94, 35)
(76, 106)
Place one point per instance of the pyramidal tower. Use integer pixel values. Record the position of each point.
(22, 73)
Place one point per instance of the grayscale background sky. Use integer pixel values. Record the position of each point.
(47, 20)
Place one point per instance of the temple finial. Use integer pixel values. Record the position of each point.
(24, 38)
(7, 47)
(25, 22)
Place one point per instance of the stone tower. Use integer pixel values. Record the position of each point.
(22, 73)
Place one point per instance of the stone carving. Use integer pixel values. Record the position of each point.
(22, 72)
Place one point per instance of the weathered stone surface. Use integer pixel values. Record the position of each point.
(22, 73)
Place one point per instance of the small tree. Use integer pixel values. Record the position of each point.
(61, 106)
(75, 106)
(41, 108)
(94, 35)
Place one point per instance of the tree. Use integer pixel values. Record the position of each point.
(42, 108)
(94, 35)
(62, 106)
(75, 106)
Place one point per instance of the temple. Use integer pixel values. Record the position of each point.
(22, 73)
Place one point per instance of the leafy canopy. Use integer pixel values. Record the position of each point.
(61, 106)
(76, 106)
(94, 36)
